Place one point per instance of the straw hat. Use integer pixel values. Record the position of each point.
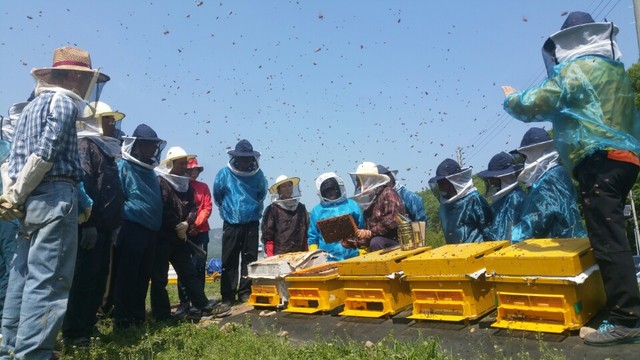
(281, 180)
(69, 58)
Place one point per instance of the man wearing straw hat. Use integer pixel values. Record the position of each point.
(44, 169)
(98, 150)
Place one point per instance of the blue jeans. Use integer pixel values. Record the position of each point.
(41, 273)
(8, 231)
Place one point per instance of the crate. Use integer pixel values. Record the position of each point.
(268, 288)
(315, 289)
(375, 296)
(382, 262)
(548, 304)
(448, 283)
(542, 257)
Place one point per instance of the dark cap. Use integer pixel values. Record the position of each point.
(533, 136)
(145, 132)
(499, 165)
(577, 18)
(243, 148)
(446, 168)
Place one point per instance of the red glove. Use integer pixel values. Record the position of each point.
(268, 248)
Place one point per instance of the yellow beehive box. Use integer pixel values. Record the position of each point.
(375, 296)
(452, 259)
(315, 289)
(448, 283)
(382, 262)
(452, 298)
(546, 303)
(542, 257)
(268, 287)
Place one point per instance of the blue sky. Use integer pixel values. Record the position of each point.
(315, 86)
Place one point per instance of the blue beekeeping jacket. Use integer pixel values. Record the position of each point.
(412, 204)
(506, 213)
(240, 198)
(466, 220)
(143, 200)
(589, 100)
(550, 209)
(325, 211)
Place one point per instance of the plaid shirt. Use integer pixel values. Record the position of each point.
(49, 134)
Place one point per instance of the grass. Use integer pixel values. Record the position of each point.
(207, 340)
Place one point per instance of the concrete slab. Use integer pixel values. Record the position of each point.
(466, 341)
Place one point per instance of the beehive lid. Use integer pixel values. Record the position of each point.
(452, 259)
(381, 262)
(283, 264)
(318, 272)
(542, 257)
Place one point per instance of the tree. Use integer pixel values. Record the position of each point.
(634, 75)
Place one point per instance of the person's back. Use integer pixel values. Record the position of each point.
(550, 209)
(466, 220)
(506, 213)
(596, 126)
(551, 206)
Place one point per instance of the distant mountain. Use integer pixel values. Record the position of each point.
(215, 245)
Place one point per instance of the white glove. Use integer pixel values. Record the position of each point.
(29, 178)
(181, 230)
(89, 238)
(84, 215)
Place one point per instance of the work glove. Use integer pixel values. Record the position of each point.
(181, 230)
(268, 248)
(7, 210)
(89, 238)
(28, 179)
(84, 215)
(313, 247)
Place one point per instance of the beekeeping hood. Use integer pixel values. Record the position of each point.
(145, 133)
(368, 184)
(340, 183)
(459, 178)
(90, 125)
(290, 203)
(580, 35)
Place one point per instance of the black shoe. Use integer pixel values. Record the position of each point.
(244, 298)
(218, 310)
(182, 310)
